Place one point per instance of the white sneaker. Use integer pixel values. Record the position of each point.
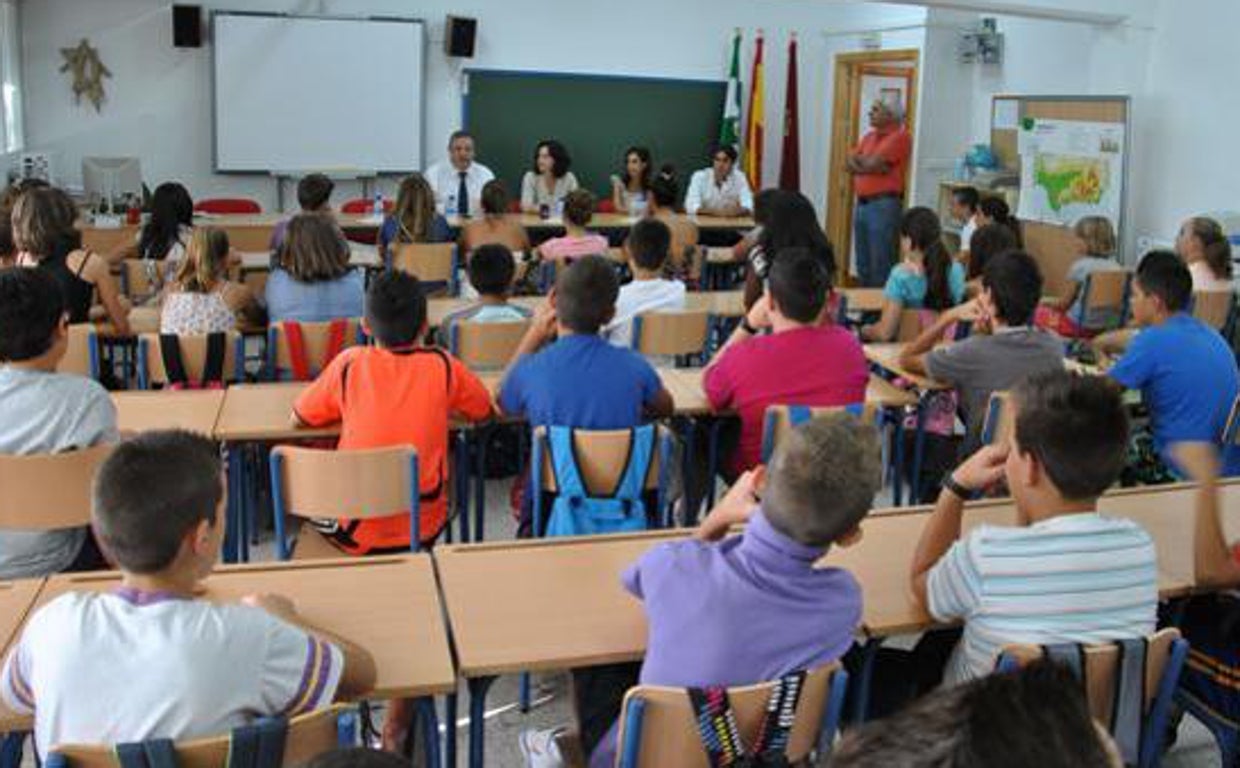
(540, 748)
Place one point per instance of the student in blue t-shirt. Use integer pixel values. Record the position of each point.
(1185, 371)
(579, 379)
(927, 276)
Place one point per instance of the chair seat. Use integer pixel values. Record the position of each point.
(312, 545)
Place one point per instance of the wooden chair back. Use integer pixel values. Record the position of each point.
(912, 323)
(49, 491)
(433, 263)
(140, 278)
(486, 345)
(1231, 430)
(193, 357)
(82, 353)
(602, 456)
(1101, 669)
(315, 337)
(669, 731)
(359, 484)
(1214, 308)
(308, 736)
(671, 332)
(779, 420)
(1000, 419)
(1107, 290)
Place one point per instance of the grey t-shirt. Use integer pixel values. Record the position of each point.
(48, 413)
(983, 364)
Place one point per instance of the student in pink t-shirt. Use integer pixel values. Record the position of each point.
(803, 360)
(576, 242)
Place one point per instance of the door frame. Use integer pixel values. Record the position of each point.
(845, 115)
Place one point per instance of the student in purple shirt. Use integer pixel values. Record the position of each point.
(750, 608)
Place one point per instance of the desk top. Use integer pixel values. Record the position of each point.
(887, 357)
(721, 303)
(360, 255)
(264, 412)
(195, 411)
(388, 605)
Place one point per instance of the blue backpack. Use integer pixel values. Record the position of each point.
(575, 512)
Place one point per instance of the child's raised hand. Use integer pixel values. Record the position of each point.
(760, 313)
(735, 507)
(983, 469)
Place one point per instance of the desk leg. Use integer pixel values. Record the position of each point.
(687, 470)
(429, 719)
(712, 463)
(919, 447)
(478, 687)
(235, 485)
(481, 436)
(11, 749)
(449, 743)
(461, 472)
(861, 704)
(897, 473)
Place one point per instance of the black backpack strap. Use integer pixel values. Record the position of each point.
(213, 370)
(170, 353)
(716, 722)
(130, 755)
(160, 753)
(1128, 706)
(243, 747)
(272, 736)
(1071, 655)
(781, 713)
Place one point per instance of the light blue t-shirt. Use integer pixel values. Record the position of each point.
(909, 287)
(1188, 378)
(291, 299)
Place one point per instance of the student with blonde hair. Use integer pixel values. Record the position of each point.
(311, 279)
(414, 219)
(200, 297)
(1095, 242)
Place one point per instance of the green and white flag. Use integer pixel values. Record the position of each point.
(730, 128)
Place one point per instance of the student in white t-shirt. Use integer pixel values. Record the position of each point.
(646, 250)
(150, 659)
(964, 210)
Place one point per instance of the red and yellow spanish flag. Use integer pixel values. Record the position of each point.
(755, 123)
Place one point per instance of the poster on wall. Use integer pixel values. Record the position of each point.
(1070, 169)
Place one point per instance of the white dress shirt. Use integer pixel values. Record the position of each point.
(445, 179)
(704, 192)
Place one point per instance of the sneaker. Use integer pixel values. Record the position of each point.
(540, 748)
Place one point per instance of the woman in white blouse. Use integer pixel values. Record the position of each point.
(550, 180)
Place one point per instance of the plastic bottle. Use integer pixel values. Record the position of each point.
(377, 209)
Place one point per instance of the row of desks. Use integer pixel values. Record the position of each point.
(567, 607)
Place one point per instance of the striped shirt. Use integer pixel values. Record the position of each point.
(1078, 578)
(132, 665)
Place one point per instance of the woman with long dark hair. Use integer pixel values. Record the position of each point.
(167, 231)
(927, 276)
(550, 180)
(631, 190)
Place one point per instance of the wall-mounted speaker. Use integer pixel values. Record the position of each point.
(458, 39)
(187, 26)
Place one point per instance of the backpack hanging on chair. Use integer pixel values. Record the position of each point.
(212, 369)
(298, 361)
(575, 512)
(721, 739)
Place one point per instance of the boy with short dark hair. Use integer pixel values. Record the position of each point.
(42, 411)
(491, 270)
(96, 667)
(647, 250)
(1185, 370)
(1067, 447)
(314, 192)
(1004, 348)
(398, 392)
(786, 366)
(715, 614)
(563, 373)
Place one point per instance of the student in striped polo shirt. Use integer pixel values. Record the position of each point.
(1064, 574)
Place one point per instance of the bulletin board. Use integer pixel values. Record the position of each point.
(1052, 245)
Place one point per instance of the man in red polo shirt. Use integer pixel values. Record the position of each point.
(878, 164)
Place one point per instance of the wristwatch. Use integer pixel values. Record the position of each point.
(950, 483)
(747, 328)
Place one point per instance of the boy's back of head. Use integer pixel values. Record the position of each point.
(1077, 429)
(313, 191)
(585, 295)
(152, 491)
(648, 244)
(1163, 274)
(395, 308)
(357, 757)
(822, 479)
(1015, 285)
(31, 307)
(799, 283)
(491, 269)
(579, 207)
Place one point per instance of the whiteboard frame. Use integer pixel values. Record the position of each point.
(284, 172)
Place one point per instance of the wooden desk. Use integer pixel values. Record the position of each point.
(16, 600)
(719, 303)
(246, 232)
(360, 255)
(864, 299)
(685, 384)
(613, 221)
(195, 411)
(887, 357)
(388, 605)
(264, 412)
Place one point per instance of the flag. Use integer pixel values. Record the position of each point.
(751, 161)
(790, 162)
(730, 128)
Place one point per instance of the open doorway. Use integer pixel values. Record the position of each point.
(861, 79)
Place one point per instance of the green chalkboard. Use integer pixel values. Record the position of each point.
(595, 116)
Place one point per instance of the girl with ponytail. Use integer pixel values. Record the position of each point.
(993, 210)
(1204, 247)
(927, 276)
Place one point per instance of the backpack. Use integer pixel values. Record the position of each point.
(721, 739)
(575, 512)
(212, 370)
(297, 346)
(1127, 711)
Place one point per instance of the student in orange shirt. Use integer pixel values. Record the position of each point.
(397, 393)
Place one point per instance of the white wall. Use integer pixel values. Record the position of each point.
(159, 97)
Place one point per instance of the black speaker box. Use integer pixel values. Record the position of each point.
(458, 39)
(187, 26)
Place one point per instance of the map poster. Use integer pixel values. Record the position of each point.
(1069, 170)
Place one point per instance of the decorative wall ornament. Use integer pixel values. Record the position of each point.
(88, 72)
